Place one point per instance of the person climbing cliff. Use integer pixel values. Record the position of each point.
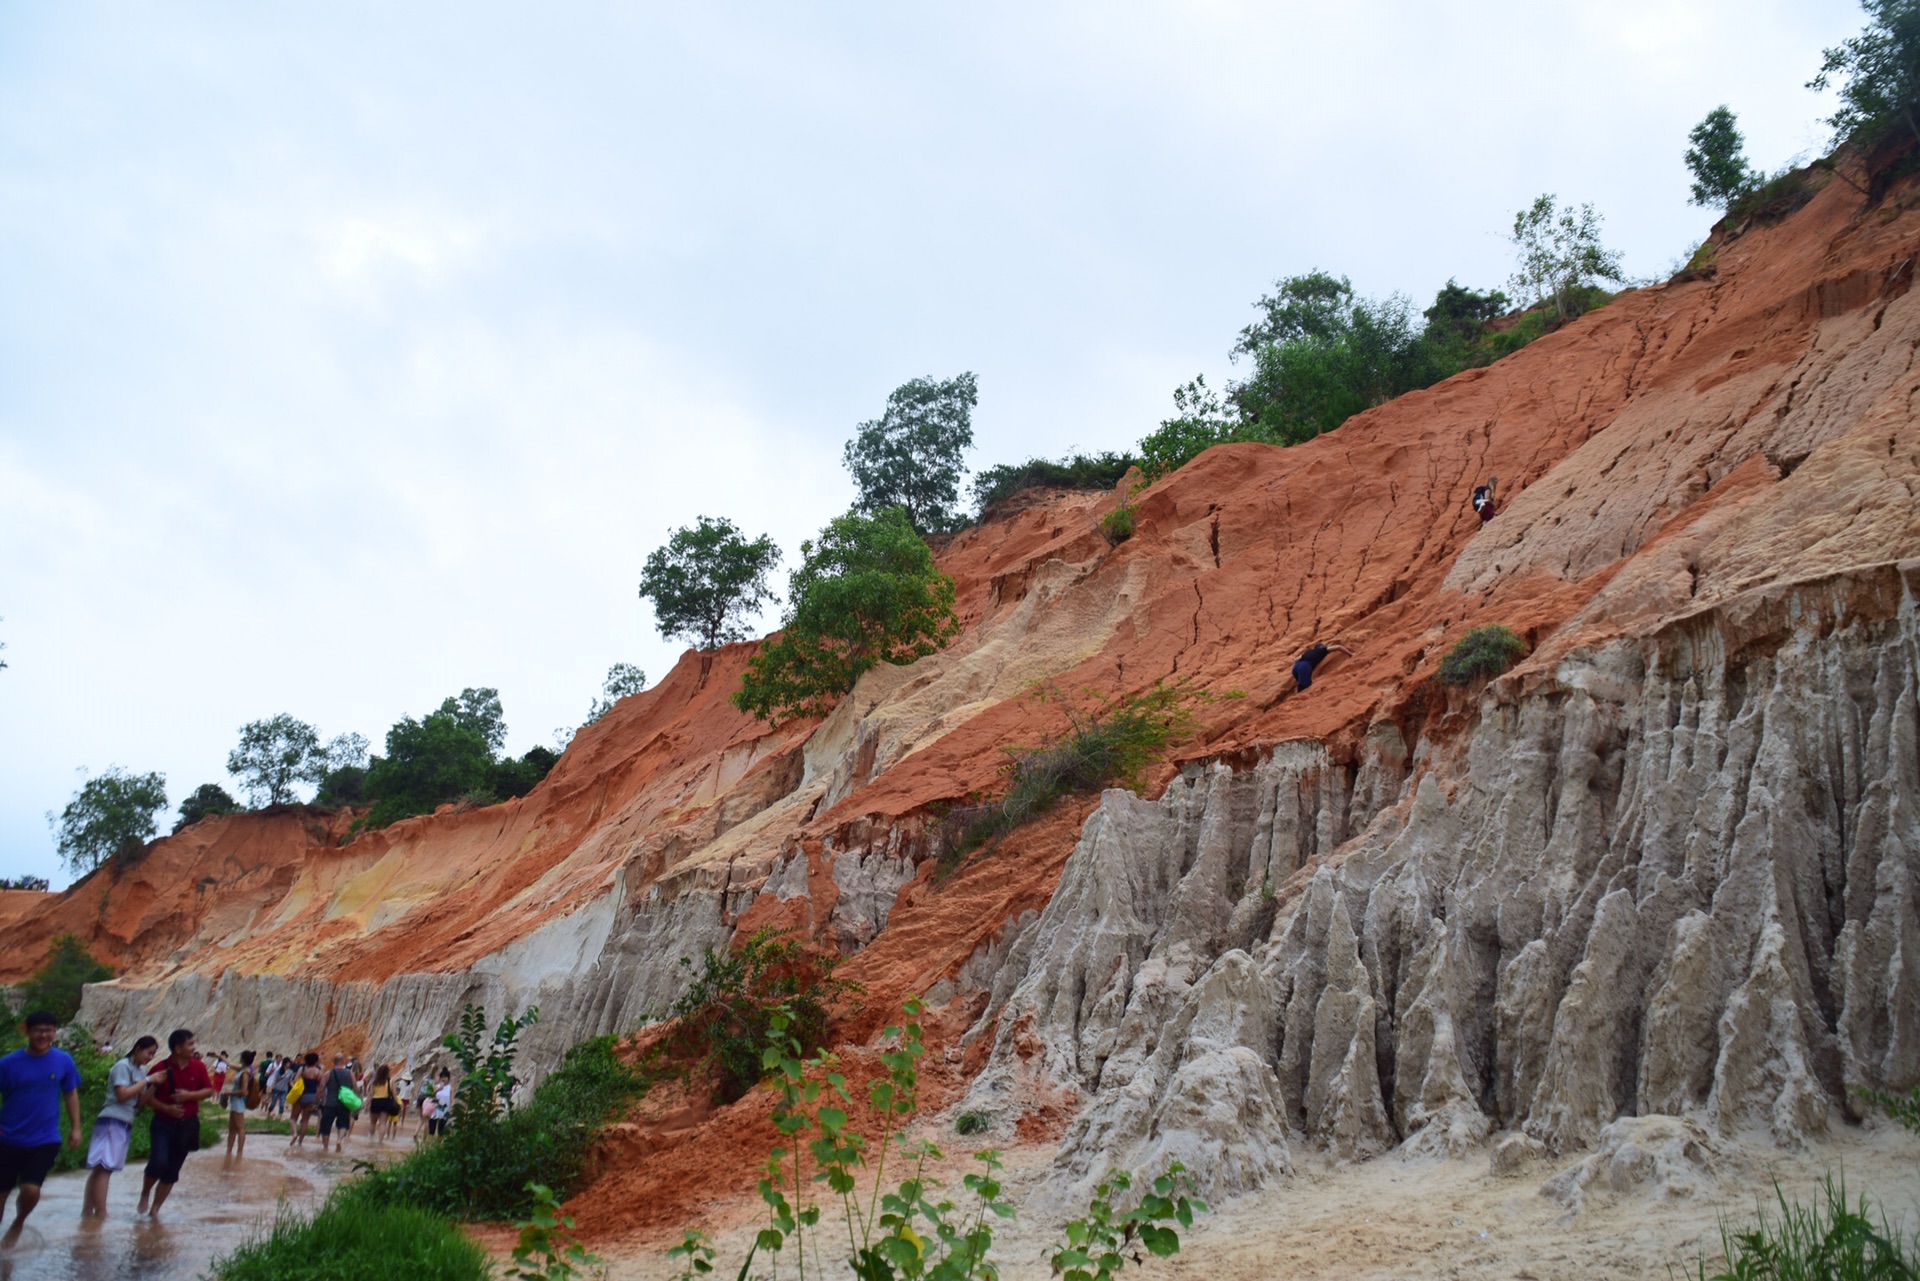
(1315, 655)
(1483, 502)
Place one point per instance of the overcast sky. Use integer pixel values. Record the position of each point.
(348, 359)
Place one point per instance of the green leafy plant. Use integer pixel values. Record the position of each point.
(204, 801)
(1878, 75)
(1117, 524)
(1108, 739)
(448, 754)
(1561, 257)
(1903, 1108)
(353, 1237)
(623, 681)
(1838, 1239)
(1718, 161)
(481, 1170)
(486, 1076)
(1484, 651)
(909, 457)
(1099, 1243)
(707, 582)
(55, 986)
(111, 816)
(868, 592)
(546, 1250)
(722, 1021)
(969, 1123)
(995, 485)
(696, 1254)
(274, 756)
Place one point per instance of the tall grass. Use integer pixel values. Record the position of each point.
(350, 1239)
(1838, 1241)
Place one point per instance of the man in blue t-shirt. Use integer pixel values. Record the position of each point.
(32, 1083)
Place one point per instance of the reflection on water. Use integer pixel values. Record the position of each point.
(218, 1205)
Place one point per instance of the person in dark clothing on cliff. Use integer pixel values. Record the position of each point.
(1315, 655)
(1483, 500)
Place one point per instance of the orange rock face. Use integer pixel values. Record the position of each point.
(1681, 445)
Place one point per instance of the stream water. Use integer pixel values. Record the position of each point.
(217, 1205)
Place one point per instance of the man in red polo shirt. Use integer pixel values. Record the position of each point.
(179, 1084)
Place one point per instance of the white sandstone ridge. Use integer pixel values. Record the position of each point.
(1676, 875)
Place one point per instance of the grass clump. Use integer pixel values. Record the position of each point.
(1484, 651)
(482, 1166)
(1118, 524)
(970, 1123)
(1840, 1239)
(1108, 740)
(353, 1237)
(723, 1020)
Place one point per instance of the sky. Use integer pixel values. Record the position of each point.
(355, 354)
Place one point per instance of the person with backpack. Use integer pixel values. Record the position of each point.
(1483, 500)
(336, 1111)
(113, 1128)
(34, 1082)
(243, 1094)
(304, 1098)
(1315, 655)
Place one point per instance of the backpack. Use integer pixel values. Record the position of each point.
(255, 1092)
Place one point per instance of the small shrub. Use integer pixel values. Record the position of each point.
(970, 1123)
(1771, 199)
(55, 986)
(546, 1250)
(353, 1237)
(1079, 471)
(723, 1019)
(1839, 1239)
(1484, 651)
(1903, 1108)
(35, 883)
(1117, 524)
(1099, 1244)
(1111, 741)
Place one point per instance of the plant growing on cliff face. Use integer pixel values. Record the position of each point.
(1878, 72)
(1484, 651)
(110, 816)
(998, 483)
(1561, 257)
(722, 1020)
(708, 581)
(56, 985)
(868, 592)
(909, 457)
(1719, 166)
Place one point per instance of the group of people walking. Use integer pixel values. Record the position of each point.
(41, 1080)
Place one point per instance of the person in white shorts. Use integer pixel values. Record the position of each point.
(126, 1085)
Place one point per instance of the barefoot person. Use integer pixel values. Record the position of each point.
(334, 1113)
(33, 1084)
(179, 1083)
(107, 1153)
(241, 1086)
(307, 1082)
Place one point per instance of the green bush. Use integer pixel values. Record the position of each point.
(722, 1020)
(481, 1167)
(205, 800)
(1078, 471)
(1484, 651)
(1839, 1240)
(1118, 524)
(970, 1123)
(351, 1238)
(1108, 740)
(55, 986)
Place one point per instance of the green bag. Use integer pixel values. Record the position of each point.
(350, 1099)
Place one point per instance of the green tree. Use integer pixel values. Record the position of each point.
(56, 985)
(1718, 161)
(1878, 72)
(623, 679)
(707, 582)
(110, 816)
(909, 457)
(516, 777)
(442, 757)
(1561, 256)
(479, 710)
(1200, 421)
(867, 593)
(274, 756)
(206, 799)
(1314, 307)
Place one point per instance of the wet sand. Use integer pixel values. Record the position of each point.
(217, 1205)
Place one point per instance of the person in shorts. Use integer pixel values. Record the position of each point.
(243, 1082)
(107, 1152)
(34, 1082)
(383, 1103)
(179, 1084)
(1303, 667)
(335, 1114)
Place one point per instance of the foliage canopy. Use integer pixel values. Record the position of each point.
(1718, 161)
(623, 680)
(1878, 73)
(909, 457)
(1484, 651)
(111, 815)
(55, 986)
(1560, 255)
(274, 756)
(204, 801)
(708, 581)
(868, 592)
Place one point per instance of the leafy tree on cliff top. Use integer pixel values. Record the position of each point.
(909, 457)
(445, 755)
(623, 680)
(1717, 161)
(274, 756)
(708, 581)
(1560, 255)
(867, 593)
(112, 815)
(1879, 75)
(205, 800)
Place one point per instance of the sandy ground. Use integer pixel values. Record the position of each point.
(1394, 1218)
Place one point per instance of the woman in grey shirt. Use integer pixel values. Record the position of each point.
(126, 1086)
